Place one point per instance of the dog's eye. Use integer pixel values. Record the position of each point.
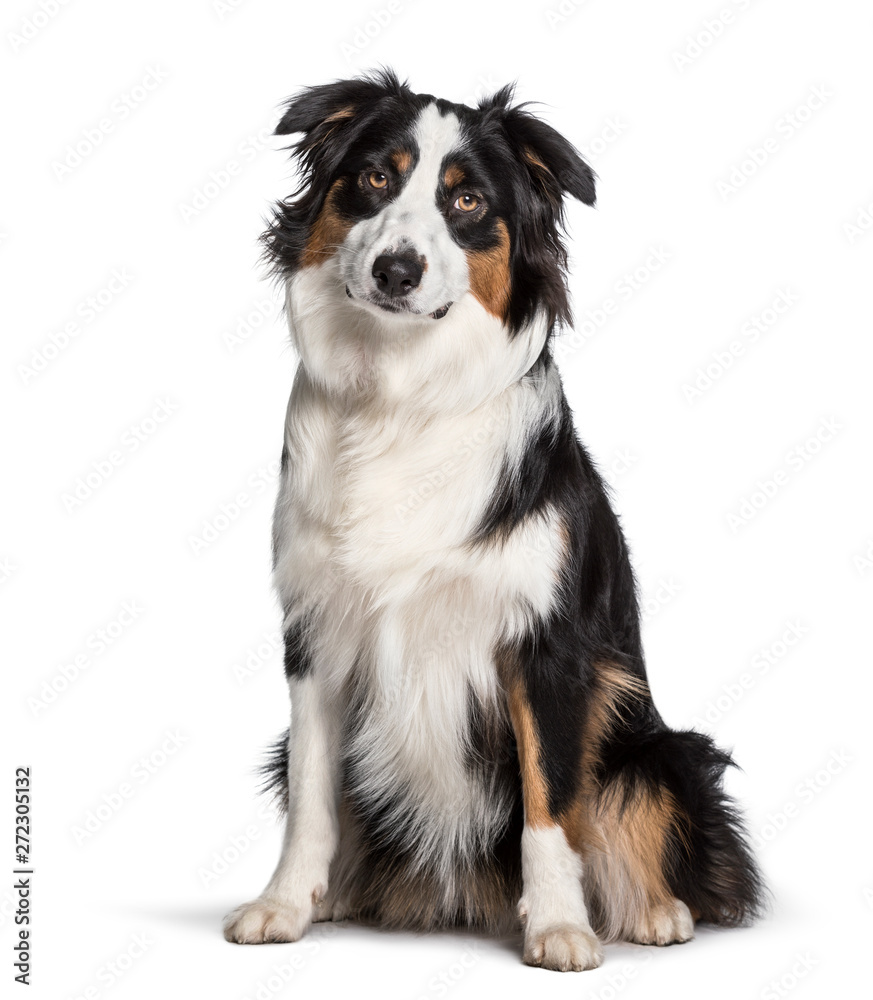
(467, 203)
(377, 180)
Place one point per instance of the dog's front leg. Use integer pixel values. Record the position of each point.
(285, 909)
(557, 931)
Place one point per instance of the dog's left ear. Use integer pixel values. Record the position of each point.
(556, 168)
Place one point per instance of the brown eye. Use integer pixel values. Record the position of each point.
(467, 203)
(377, 180)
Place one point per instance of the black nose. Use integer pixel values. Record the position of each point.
(397, 276)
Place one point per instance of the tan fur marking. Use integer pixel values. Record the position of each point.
(580, 829)
(334, 120)
(402, 160)
(628, 879)
(533, 783)
(346, 112)
(622, 837)
(546, 183)
(614, 687)
(534, 160)
(453, 175)
(489, 274)
(329, 230)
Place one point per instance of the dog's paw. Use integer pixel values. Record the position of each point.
(668, 923)
(330, 909)
(563, 948)
(264, 921)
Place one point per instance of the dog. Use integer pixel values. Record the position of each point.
(473, 741)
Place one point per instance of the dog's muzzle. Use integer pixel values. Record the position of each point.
(436, 314)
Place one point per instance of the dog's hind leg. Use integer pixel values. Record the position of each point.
(292, 899)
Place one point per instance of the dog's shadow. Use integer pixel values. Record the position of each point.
(200, 918)
(209, 919)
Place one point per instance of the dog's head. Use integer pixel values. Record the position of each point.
(417, 203)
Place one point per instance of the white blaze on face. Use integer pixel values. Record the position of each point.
(413, 222)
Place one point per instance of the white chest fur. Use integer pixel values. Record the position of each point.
(382, 492)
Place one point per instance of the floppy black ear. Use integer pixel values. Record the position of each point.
(321, 111)
(550, 169)
(312, 107)
(331, 115)
(554, 164)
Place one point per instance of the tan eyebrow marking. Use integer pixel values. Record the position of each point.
(402, 160)
(453, 176)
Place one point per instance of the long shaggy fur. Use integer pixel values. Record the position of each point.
(473, 739)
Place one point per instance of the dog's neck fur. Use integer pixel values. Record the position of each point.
(409, 364)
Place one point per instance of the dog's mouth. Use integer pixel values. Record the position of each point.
(388, 306)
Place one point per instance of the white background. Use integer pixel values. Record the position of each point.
(173, 198)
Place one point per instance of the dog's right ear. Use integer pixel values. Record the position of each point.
(315, 107)
(329, 115)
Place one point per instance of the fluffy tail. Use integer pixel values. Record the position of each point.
(708, 863)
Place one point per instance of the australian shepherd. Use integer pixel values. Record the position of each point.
(473, 741)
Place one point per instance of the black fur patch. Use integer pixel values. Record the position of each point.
(297, 659)
(596, 620)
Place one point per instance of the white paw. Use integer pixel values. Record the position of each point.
(670, 923)
(330, 909)
(264, 920)
(563, 948)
